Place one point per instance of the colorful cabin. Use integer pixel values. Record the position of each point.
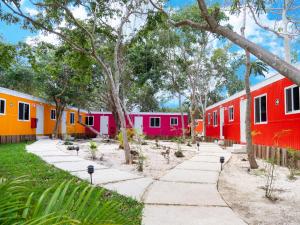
(199, 127)
(275, 115)
(23, 117)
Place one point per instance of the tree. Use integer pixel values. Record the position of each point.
(210, 21)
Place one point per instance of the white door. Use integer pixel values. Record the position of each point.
(138, 124)
(104, 125)
(221, 123)
(40, 119)
(243, 105)
(64, 123)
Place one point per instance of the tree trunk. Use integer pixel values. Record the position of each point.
(59, 108)
(192, 112)
(182, 116)
(251, 158)
(286, 38)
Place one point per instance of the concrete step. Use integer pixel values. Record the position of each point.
(238, 148)
(42, 137)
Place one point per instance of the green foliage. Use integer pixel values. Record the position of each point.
(258, 68)
(8, 54)
(93, 149)
(130, 134)
(90, 205)
(292, 158)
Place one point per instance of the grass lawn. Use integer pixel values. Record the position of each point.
(16, 162)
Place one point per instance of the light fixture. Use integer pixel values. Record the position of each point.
(222, 160)
(90, 170)
(198, 145)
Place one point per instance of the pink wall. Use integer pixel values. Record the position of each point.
(165, 129)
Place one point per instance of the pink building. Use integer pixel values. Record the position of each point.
(151, 124)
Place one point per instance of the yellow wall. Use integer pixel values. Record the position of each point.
(9, 124)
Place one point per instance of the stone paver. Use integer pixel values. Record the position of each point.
(184, 194)
(205, 166)
(55, 159)
(78, 166)
(189, 215)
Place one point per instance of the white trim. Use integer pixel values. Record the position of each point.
(154, 118)
(24, 109)
(72, 113)
(90, 125)
(51, 114)
(215, 112)
(285, 105)
(259, 96)
(264, 83)
(99, 112)
(4, 112)
(157, 113)
(230, 107)
(171, 121)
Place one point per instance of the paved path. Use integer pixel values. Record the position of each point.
(186, 195)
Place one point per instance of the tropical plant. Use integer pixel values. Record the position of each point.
(93, 149)
(291, 163)
(270, 179)
(130, 134)
(59, 204)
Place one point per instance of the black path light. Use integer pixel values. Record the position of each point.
(77, 149)
(222, 160)
(198, 145)
(90, 170)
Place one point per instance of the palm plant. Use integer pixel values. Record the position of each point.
(59, 204)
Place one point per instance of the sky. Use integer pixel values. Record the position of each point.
(14, 33)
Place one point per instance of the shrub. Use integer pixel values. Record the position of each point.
(130, 134)
(291, 163)
(93, 149)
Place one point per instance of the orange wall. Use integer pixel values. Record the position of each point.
(9, 124)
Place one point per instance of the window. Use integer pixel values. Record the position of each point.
(2, 106)
(53, 114)
(230, 113)
(215, 119)
(208, 119)
(89, 120)
(155, 122)
(292, 99)
(260, 109)
(174, 121)
(72, 118)
(24, 111)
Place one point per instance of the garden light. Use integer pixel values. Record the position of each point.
(77, 149)
(222, 159)
(90, 170)
(198, 145)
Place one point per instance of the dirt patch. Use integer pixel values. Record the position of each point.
(243, 192)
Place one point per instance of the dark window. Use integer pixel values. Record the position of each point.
(89, 120)
(289, 103)
(174, 121)
(155, 122)
(24, 110)
(2, 106)
(208, 119)
(292, 99)
(230, 111)
(261, 109)
(53, 114)
(215, 119)
(72, 118)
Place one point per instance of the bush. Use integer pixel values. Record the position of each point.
(130, 134)
(292, 163)
(93, 149)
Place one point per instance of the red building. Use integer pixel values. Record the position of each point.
(275, 115)
(151, 124)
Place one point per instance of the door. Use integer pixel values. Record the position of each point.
(243, 105)
(104, 125)
(221, 123)
(40, 119)
(138, 124)
(64, 123)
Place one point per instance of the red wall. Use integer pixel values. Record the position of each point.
(165, 129)
(280, 129)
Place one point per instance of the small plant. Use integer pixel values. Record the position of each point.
(130, 134)
(68, 143)
(166, 154)
(141, 159)
(156, 143)
(179, 153)
(270, 179)
(291, 163)
(93, 149)
(189, 144)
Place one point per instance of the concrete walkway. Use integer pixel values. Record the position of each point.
(186, 195)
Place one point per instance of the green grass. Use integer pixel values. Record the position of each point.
(16, 162)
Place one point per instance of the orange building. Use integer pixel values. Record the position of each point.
(23, 117)
(199, 127)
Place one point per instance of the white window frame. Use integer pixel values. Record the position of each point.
(72, 113)
(4, 112)
(215, 113)
(285, 103)
(229, 119)
(90, 125)
(51, 114)
(171, 121)
(259, 96)
(156, 117)
(208, 118)
(23, 112)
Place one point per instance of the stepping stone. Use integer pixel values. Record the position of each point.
(55, 159)
(173, 193)
(193, 165)
(189, 215)
(50, 153)
(131, 188)
(205, 158)
(191, 176)
(107, 176)
(78, 166)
